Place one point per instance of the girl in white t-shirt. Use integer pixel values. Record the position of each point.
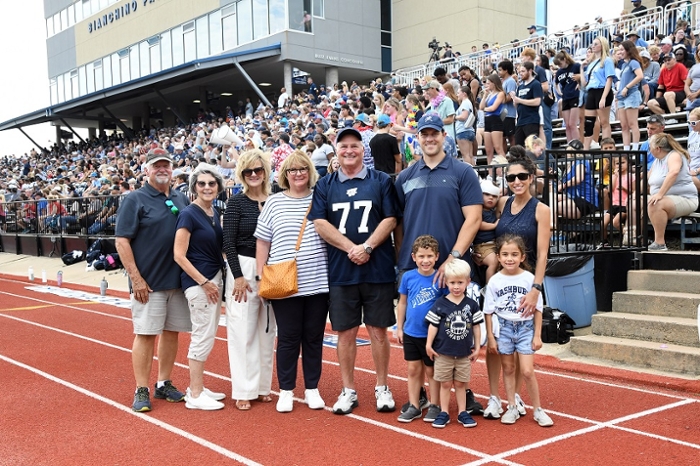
(517, 332)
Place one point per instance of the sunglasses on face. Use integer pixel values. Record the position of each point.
(693, 123)
(202, 184)
(249, 171)
(297, 171)
(520, 176)
(173, 208)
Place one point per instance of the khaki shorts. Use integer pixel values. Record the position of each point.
(449, 368)
(484, 249)
(165, 310)
(684, 205)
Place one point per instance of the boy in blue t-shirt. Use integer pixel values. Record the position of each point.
(454, 341)
(418, 291)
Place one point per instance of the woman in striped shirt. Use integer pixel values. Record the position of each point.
(301, 318)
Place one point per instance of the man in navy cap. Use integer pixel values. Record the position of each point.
(440, 196)
(355, 210)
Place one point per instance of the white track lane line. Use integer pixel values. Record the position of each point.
(126, 409)
(486, 458)
(608, 424)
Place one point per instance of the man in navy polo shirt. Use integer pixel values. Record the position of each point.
(355, 210)
(440, 196)
(145, 235)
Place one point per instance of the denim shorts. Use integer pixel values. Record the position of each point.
(468, 134)
(516, 336)
(633, 100)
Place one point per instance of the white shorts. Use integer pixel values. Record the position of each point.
(205, 319)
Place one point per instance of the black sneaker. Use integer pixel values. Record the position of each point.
(432, 414)
(142, 400)
(168, 392)
(410, 414)
(473, 406)
(422, 401)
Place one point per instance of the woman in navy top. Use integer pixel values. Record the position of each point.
(493, 104)
(197, 250)
(523, 215)
(567, 78)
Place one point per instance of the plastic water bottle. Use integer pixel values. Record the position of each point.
(44, 279)
(31, 273)
(103, 287)
(59, 278)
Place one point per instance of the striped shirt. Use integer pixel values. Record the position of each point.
(279, 224)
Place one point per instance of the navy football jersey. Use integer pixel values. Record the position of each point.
(356, 207)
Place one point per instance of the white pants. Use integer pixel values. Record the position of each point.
(205, 320)
(250, 347)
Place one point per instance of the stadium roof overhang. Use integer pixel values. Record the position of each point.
(176, 89)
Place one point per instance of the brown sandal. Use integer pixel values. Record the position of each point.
(243, 405)
(264, 399)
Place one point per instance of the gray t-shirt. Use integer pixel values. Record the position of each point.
(694, 74)
(683, 186)
(144, 218)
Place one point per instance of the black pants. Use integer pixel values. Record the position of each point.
(301, 322)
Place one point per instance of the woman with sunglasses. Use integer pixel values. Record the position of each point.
(250, 331)
(523, 215)
(301, 317)
(197, 250)
(694, 146)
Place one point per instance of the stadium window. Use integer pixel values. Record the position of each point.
(78, 12)
(124, 65)
(82, 82)
(260, 19)
(228, 25)
(245, 21)
(60, 90)
(144, 58)
(72, 85)
(189, 42)
(87, 11)
(64, 19)
(107, 71)
(95, 6)
(71, 16)
(49, 27)
(202, 31)
(215, 35)
(178, 51)
(97, 75)
(57, 23)
(166, 51)
(276, 12)
(318, 8)
(134, 62)
(90, 78)
(53, 91)
(154, 54)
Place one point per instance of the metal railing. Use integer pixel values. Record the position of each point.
(578, 199)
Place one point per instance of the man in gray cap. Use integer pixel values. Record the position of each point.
(145, 235)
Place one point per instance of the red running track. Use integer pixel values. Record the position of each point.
(68, 385)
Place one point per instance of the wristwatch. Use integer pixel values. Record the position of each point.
(456, 254)
(538, 287)
(257, 278)
(368, 248)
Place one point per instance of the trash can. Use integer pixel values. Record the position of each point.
(569, 286)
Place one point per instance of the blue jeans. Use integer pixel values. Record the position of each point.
(516, 336)
(547, 117)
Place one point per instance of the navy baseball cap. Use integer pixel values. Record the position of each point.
(430, 120)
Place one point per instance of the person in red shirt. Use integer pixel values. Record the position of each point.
(670, 92)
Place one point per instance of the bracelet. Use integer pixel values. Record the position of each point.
(204, 282)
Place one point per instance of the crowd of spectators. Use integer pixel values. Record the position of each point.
(589, 81)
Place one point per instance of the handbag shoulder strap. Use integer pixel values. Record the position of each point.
(303, 227)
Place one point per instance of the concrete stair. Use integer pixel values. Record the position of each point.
(653, 325)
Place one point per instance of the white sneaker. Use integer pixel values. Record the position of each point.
(510, 416)
(542, 418)
(595, 145)
(285, 403)
(202, 402)
(313, 399)
(385, 400)
(494, 409)
(520, 405)
(218, 396)
(347, 400)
